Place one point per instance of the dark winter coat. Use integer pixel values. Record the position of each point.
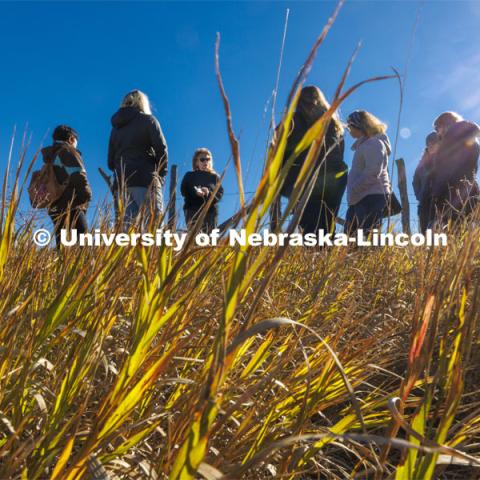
(68, 165)
(456, 159)
(137, 147)
(200, 178)
(422, 177)
(332, 163)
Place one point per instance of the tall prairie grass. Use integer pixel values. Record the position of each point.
(239, 362)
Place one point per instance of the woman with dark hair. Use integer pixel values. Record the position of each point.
(138, 156)
(369, 188)
(68, 211)
(323, 204)
(197, 188)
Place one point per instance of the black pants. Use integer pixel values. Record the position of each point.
(61, 220)
(322, 207)
(426, 215)
(367, 214)
(209, 222)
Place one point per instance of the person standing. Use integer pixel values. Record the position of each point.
(321, 208)
(138, 156)
(68, 211)
(368, 187)
(455, 189)
(422, 182)
(197, 188)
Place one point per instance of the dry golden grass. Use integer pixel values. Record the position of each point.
(239, 362)
(105, 355)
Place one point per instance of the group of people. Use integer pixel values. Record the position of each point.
(138, 159)
(444, 181)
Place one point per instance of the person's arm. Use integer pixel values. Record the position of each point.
(374, 157)
(187, 188)
(183, 186)
(159, 145)
(213, 186)
(417, 180)
(111, 153)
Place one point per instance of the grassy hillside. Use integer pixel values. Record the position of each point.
(239, 362)
(143, 360)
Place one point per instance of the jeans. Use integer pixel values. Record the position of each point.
(137, 197)
(77, 220)
(367, 214)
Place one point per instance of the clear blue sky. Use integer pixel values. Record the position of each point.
(67, 62)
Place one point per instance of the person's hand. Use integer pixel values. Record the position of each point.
(199, 191)
(205, 191)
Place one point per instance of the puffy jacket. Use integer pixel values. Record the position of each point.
(369, 172)
(333, 143)
(137, 147)
(200, 178)
(68, 165)
(456, 158)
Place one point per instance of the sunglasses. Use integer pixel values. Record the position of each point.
(204, 159)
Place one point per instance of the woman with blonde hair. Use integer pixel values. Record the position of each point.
(368, 188)
(138, 156)
(323, 204)
(197, 188)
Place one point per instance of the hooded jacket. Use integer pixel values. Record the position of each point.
(68, 165)
(369, 172)
(137, 147)
(456, 158)
(333, 144)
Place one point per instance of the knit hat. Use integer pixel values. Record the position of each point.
(355, 119)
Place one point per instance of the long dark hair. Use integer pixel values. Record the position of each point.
(312, 104)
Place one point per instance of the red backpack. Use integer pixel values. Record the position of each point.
(44, 188)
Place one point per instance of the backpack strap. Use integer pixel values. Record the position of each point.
(70, 170)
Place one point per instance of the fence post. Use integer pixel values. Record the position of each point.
(275, 214)
(402, 186)
(172, 204)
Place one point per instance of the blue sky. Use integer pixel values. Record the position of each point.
(67, 62)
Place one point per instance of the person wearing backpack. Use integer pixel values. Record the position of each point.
(197, 187)
(138, 156)
(68, 211)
